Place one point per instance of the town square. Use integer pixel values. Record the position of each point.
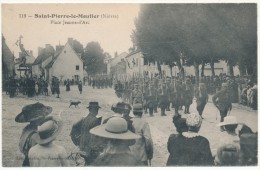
(129, 85)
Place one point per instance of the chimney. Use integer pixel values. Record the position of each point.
(47, 45)
(40, 50)
(31, 53)
(59, 48)
(70, 40)
(116, 54)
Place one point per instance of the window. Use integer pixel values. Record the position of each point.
(77, 67)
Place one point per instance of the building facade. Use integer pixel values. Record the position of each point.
(65, 65)
(112, 64)
(136, 66)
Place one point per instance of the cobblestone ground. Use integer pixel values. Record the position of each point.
(161, 127)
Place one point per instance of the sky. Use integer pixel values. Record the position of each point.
(113, 34)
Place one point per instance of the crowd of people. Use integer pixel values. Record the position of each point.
(100, 81)
(33, 86)
(122, 140)
(175, 92)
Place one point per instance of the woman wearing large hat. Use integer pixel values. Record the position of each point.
(119, 138)
(46, 152)
(35, 115)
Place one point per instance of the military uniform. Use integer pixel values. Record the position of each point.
(188, 96)
(163, 99)
(222, 100)
(137, 96)
(201, 98)
(178, 96)
(151, 99)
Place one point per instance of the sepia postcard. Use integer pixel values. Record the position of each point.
(142, 84)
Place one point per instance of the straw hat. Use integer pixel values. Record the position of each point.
(33, 112)
(48, 131)
(115, 128)
(93, 104)
(228, 120)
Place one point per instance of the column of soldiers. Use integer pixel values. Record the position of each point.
(157, 93)
(100, 81)
(175, 92)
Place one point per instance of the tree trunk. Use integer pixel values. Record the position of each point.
(249, 70)
(230, 69)
(196, 69)
(171, 70)
(159, 69)
(212, 67)
(242, 69)
(202, 69)
(178, 62)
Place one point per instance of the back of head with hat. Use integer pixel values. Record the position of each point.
(93, 104)
(193, 120)
(115, 128)
(137, 107)
(48, 131)
(33, 112)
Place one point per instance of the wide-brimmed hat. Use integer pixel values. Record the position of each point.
(115, 128)
(33, 112)
(228, 120)
(48, 131)
(137, 107)
(193, 120)
(93, 104)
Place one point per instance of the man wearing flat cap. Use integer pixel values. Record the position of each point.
(35, 114)
(89, 148)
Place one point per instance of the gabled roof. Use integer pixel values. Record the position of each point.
(132, 53)
(41, 58)
(58, 54)
(7, 55)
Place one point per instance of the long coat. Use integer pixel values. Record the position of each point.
(222, 100)
(88, 123)
(143, 147)
(190, 151)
